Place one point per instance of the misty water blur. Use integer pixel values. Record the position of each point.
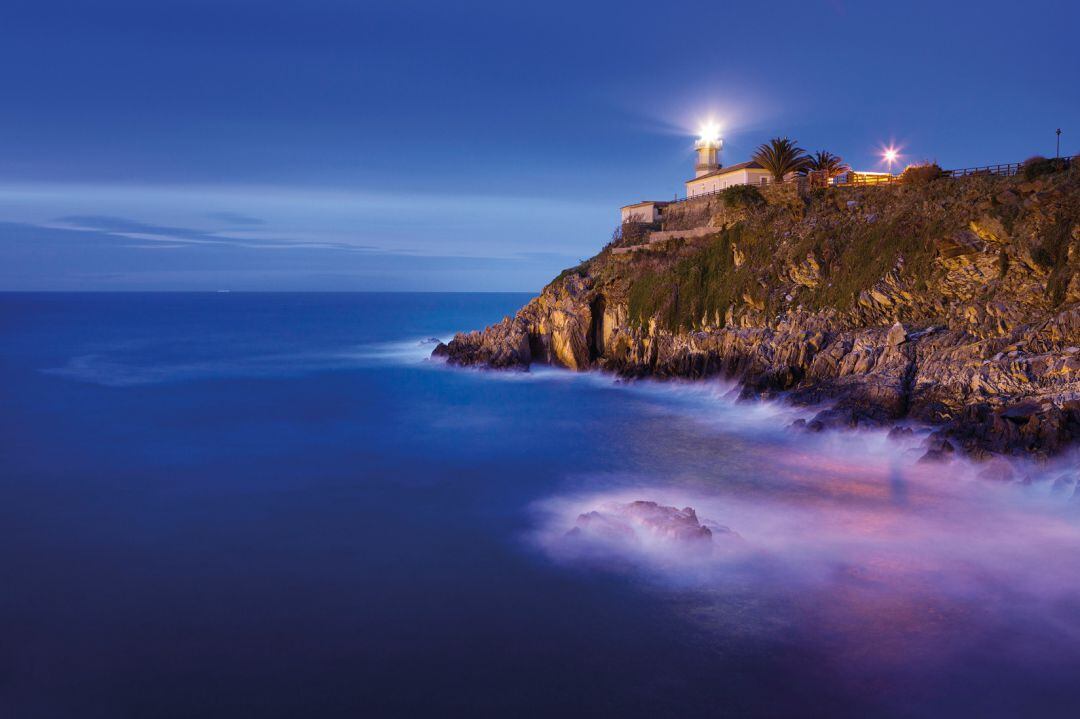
(280, 498)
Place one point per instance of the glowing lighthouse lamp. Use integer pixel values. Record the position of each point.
(708, 149)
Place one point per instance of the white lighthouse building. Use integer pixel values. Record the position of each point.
(709, 176)
(708, 149)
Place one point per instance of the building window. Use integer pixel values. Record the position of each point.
(764, 180)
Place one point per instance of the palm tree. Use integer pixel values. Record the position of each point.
(828, 164)
(781, 156)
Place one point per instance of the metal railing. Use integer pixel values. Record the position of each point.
(1006, 170)
(856, 179)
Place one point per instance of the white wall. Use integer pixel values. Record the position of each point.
(719, 182)
(640, 213)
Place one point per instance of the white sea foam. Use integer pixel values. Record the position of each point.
(850, 521)
(854, 532)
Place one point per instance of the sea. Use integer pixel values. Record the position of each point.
(277, 505)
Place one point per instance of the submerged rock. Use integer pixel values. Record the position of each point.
(901, 432)
(1065, 486)
(938, 449)
(997, 470)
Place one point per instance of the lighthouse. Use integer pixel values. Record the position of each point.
(708, 149)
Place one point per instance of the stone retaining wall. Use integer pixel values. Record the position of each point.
(656, 238)
(698, 211)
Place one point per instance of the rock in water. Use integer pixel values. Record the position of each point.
(643, 520)
(679, 525)
(603, 526)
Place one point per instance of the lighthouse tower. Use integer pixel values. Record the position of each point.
(708, 149)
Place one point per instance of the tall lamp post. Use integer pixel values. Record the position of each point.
(889, 155)
(1057, 150)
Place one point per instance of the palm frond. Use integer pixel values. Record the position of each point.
(827, 163)
(781, 156)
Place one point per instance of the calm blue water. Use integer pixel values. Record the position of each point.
(272, 505)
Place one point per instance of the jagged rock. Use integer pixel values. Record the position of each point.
(737, 257)
(505, 345)
(808, 272)
(897, 335)
(603, 526)
(900, 432)
(634, 520)
(938, 449)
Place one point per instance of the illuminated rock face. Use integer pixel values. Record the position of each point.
(644, 520)
(554, 328)
(954, 304)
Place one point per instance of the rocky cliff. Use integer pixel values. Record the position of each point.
(954, 303)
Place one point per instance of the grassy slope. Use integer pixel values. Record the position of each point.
(855, 237)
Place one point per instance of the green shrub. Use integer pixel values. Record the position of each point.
(580, 270)
(1008, 214)
(854, 253)
(1054, 248)
(704, 284)
(1058, 285)
(865, 254)
(1052, 254)
(635, 233)
(921, 174)
(742, 196)
(1038, 166)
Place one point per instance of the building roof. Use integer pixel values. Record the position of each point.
(643, 203)
(730, 168)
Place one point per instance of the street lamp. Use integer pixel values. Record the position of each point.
(889, 155)
(1057, 150)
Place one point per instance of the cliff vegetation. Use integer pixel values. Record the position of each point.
(952, 302)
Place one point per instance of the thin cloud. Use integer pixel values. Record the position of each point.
(235, 218)
(135, 230)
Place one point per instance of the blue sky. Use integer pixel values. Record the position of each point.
(264, 145)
